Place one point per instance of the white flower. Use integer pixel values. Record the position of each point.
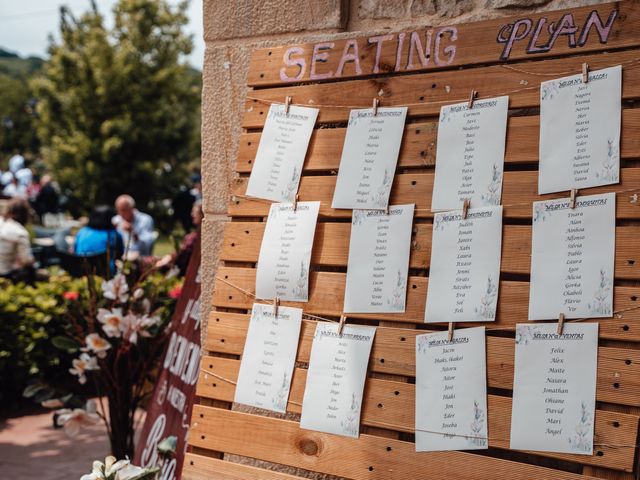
(138, 325)
(112, 321)
(73, 420)
(97, 344)
(114, 470)
(104, 471)
(173, 272)
(52, 403)
(138, 293)
(130, 472)
(82, 364)
(116, 288)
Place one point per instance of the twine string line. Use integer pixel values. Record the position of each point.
(632, 199)
(617, 313)
(378, 423)
(627, 64)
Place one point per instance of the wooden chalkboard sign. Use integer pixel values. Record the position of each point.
(423, 69)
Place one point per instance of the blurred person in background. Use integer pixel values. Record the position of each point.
(16, 258)
(184, 200)
(181, 258)
(135, 226)
(47, 199)
(14, 189)
(100, 235)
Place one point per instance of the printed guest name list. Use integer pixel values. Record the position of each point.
(465, 266)
(378, 260)
(580, 131)
(285, 252)
(554, 388)
(572, 258)
(470, 154)
(335, 380)
(451, 391)
(269, 357)
(280, 156)
(369, 158)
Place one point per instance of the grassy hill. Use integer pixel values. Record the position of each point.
(15, 66)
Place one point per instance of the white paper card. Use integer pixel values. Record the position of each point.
(572, 257)
(554, 388)
(269, 357)
(451, 391)
(285, 253)
(283, 146)
(580, 131)
(465, 266)
(470, 154)
(378, 260)
(369, 158)
(335, 380)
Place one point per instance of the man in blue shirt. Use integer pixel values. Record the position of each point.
(135, 226)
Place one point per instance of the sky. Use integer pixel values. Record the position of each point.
(26, 24)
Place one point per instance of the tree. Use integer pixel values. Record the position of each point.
(118, 108)
(16, 117)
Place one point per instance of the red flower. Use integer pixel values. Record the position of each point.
(176, 291)
(71, 295)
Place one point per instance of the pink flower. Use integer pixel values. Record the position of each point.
(71, 295)
(175, 292)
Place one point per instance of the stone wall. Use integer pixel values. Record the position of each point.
(233, 28)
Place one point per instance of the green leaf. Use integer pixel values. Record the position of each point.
(65, 343)
(32, 389)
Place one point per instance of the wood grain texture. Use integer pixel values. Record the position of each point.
(475, 44)
(419, 144)
(242, 241)
(391, 405)
(200, 467)
(368, 457)
(393, 352)
(519, 191)
(326, 297)
(424, 99)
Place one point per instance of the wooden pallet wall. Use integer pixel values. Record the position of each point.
(484, 62)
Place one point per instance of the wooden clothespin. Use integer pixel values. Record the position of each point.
(560, 324)
(343, 320)
(450, 333)
(276, 305)
(572, 198)
(472, 98)
(465, 208)
(376, 104)
(585, 73)
(295, 202)
(287, 104)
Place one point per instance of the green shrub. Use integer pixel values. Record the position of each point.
(29, 317)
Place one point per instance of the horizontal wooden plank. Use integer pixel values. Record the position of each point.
(331, 246)
(420, 140)
(391, 405)
(326, 297)
(368, 457)
(473, 43)
(393, 352)
(199, 467)
(519, 191)
(425, 94)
